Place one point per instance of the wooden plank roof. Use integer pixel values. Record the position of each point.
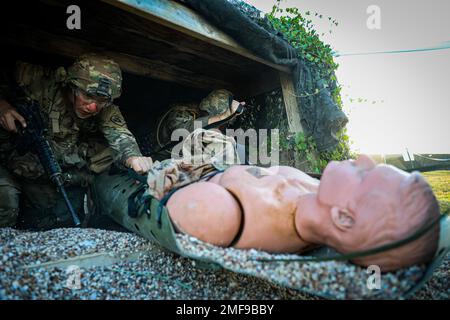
(162, 39)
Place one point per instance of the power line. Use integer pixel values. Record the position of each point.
(443, 46)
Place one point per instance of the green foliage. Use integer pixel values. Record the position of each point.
(440, 183)
(306, 146)
(298, 30)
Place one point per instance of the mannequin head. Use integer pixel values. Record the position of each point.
(360, 205)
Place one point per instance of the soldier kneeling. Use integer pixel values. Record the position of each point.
(86, 132)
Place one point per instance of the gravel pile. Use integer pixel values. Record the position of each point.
(117, 265)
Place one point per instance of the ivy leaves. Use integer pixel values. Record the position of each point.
(300, 33)
(298, 30)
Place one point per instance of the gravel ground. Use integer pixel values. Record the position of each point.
(117, 265)
(335, 279)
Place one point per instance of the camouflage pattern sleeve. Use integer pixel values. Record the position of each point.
(202, 122)
(35, 80)
(27, 74)
(31, 78)
(13, 75)
(115, 130)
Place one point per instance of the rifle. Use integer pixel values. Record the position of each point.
(32, 139)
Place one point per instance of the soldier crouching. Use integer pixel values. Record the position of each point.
(85, 130)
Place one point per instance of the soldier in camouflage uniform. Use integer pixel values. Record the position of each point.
(86, 131)
(217, 106)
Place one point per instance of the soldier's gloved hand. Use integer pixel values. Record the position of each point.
(228, 113)
(235, 105)
(8, 116)
(139, 164)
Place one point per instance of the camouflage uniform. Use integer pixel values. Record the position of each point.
(81, 146)
(183, 116)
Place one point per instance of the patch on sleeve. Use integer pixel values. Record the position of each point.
(118, 120)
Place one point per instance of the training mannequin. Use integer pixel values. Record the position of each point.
(356, 206)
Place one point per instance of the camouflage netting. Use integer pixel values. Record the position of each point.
(268, 112)
(321, 116)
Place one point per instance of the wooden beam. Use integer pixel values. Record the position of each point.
(45, 42)
(141, 46)
(180, 18)
(290, 103)
(293, 115)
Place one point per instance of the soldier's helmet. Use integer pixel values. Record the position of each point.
(217, 102)
(97, 75)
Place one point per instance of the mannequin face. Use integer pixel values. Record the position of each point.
(341, 180)
(353, 196)
(343, 183)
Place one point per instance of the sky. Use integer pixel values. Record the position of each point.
(408, 94)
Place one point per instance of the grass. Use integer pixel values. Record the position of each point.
(440, 183)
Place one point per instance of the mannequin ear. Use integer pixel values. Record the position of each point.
(342, 218)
